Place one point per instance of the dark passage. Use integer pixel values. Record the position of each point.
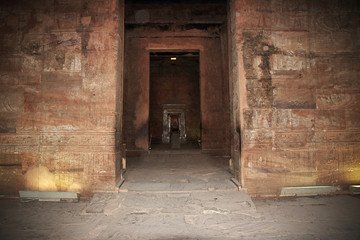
(174, 100)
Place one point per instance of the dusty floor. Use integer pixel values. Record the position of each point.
(182, 199)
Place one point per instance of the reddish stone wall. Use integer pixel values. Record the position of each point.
(297, 72)
(59, 79)
(294, 89)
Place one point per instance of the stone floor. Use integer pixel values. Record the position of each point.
(178, 197)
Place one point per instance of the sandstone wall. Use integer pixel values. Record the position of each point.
(295, 68)
(59, 77)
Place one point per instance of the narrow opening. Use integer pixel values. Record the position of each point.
(175, 119)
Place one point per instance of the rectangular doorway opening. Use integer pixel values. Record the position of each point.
(174, 109)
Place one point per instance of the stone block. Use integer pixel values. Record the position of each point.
(69, 101)
(289, 63)
(324, 20)
(105, 102)
(60, 81)
(29, 158)
(349, 177)
(29, 78)
(100, 85)
(271, 183)
(332, 42)
(81, 148)
(103, 41)
(66, 21)
(32, 64)
(71, 162)
(351, 157)
(294, 140)
(290, 6)
(67, 5)
(296, 79)
(55, 121)
(79, 139)
(330, 178)
(19, 139)
(282, 119)
(290, 98)
(340, 80)
(104, 21)
(339, 63)
(256, 158)
(29, 121)
(260, 97)
(352, 119)
(257, 19)
(11, 181)
(258, 119)
(330, 119)
(8, 122)
(62, 51)
(75, 121)
(338, 99)
(9, 44)
(11, 100)
(302, 119)
(281, 162)
(104, 164)
(294, 42)
(10, 160)
(7, 79)
(341, 136)
(295, 161)
(290, 21)
(258, 139)
(327, 157)
(11, 64)
(98, 63)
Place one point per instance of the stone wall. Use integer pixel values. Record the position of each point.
(296, 76)
(293, 81)
(59, 76)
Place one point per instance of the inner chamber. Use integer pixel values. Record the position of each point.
(174, 99)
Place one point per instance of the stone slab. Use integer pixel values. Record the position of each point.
(309, 190)
(48, 195)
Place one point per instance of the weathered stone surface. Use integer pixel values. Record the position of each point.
(330, 119)
(302, 119)
(312, 73)
(258, 118)
(49, 52)
(338, 99)
(290, 98)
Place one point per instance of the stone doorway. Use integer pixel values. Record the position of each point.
(174, 109)
(153, 38)
(174, 122)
